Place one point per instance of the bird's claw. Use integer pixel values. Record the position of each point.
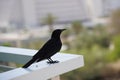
(52, 62)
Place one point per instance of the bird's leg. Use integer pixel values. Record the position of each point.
(51, 61)
(54, 61)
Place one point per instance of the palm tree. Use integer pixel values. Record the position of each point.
(49, 20)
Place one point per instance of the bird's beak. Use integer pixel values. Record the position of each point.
(63, 29)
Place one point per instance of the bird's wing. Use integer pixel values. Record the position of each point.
(48, 47)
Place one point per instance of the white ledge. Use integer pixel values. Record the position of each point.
(44, 71)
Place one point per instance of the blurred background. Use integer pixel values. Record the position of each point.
(93, 30)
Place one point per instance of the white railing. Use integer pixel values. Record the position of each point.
(40, 70)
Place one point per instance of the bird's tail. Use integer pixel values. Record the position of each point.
(29, 63)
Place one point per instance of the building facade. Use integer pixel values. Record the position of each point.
(28, 13)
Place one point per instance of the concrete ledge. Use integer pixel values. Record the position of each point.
(44, 71)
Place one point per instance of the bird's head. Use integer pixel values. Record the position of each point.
(56, 33)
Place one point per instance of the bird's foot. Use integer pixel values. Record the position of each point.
(52, 62)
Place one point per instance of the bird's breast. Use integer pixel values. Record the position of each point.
(58, 45)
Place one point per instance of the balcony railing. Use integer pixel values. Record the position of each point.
(37, 71)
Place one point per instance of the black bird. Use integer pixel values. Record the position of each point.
(50, 48)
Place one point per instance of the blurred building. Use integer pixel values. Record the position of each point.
(100, 10)
(28, 13)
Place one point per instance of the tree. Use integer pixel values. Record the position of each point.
(77, 27)
(49, 20)
(115, 22)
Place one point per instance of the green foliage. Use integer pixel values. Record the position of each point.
(77, 27)
(94, 45)
(95, 60)
(114, 29)
(6, 44)
(101, 36)
(49, 20)
(115, 22)
(115, 54)
(117, 46)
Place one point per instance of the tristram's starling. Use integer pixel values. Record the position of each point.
(50, 48)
